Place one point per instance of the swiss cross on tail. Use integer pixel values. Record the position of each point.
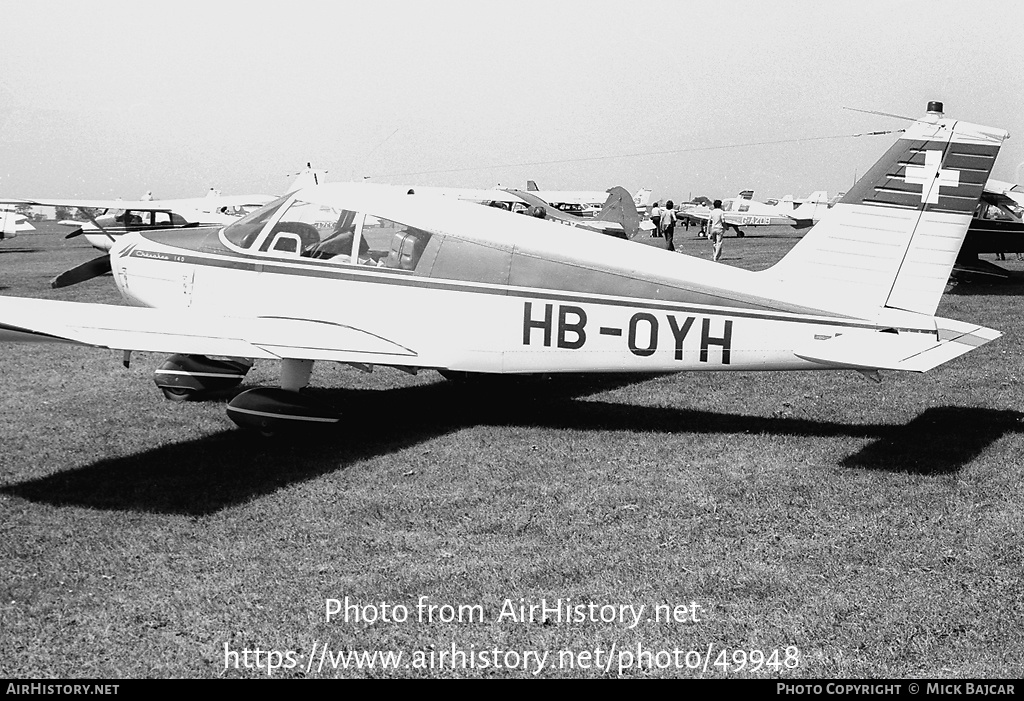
(931, 171)
(891, 242)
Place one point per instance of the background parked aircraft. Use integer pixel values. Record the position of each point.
(997, 227)
(615, 217)
(118, 217)
(618, 216)
(584, 203)
(11, 222)
(741, 210)
(806, 211)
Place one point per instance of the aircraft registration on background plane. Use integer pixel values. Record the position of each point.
(744, 210)
(365, 276)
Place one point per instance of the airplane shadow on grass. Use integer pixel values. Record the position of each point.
(234, 466)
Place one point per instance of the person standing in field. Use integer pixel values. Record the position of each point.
(656, 220)
(716, 230)
(668, 224)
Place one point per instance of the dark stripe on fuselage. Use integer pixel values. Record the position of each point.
(389, 276)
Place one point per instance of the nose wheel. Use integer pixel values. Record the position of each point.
(177, 394)
(271, 410)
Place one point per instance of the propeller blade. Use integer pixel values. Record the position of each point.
(81, 273)
(77, 232)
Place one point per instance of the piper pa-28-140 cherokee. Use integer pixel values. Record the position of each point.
(361, 275)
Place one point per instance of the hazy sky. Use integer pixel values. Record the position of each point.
(105, 99)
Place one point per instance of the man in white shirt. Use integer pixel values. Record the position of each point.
(716, 230)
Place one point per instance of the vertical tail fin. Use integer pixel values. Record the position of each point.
(892, 240)
(642, 199)
(812, 208)
(306, 178)
(11, 223)
(6, 223)
(621, 208)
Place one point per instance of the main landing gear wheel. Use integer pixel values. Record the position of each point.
(271, 410)
(177, 394)
(184, 377)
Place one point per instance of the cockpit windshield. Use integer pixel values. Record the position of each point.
(243, 232)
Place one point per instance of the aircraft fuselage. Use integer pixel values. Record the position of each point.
(514, 314)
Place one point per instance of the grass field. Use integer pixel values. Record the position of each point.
(876, 528)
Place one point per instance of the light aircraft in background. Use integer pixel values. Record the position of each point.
(584, 203)
(119, 217)
(807, 211)
(997, 227)
(366, 276)
(11, 222)
(617, 217)
(742, 210)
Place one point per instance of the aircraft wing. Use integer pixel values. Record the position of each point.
(174, 331)
(199, 203)
(550, 210)
(469, 194)
(153, 205)
(876, 350)
(703, 214)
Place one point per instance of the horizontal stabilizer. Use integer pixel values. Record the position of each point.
(915, 352)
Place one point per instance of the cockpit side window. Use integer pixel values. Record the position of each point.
(394, 245)
(991, 211)
(244, 232)
(338, 231)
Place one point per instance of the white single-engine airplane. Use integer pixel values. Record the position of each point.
(744, 210)
(368, 277)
